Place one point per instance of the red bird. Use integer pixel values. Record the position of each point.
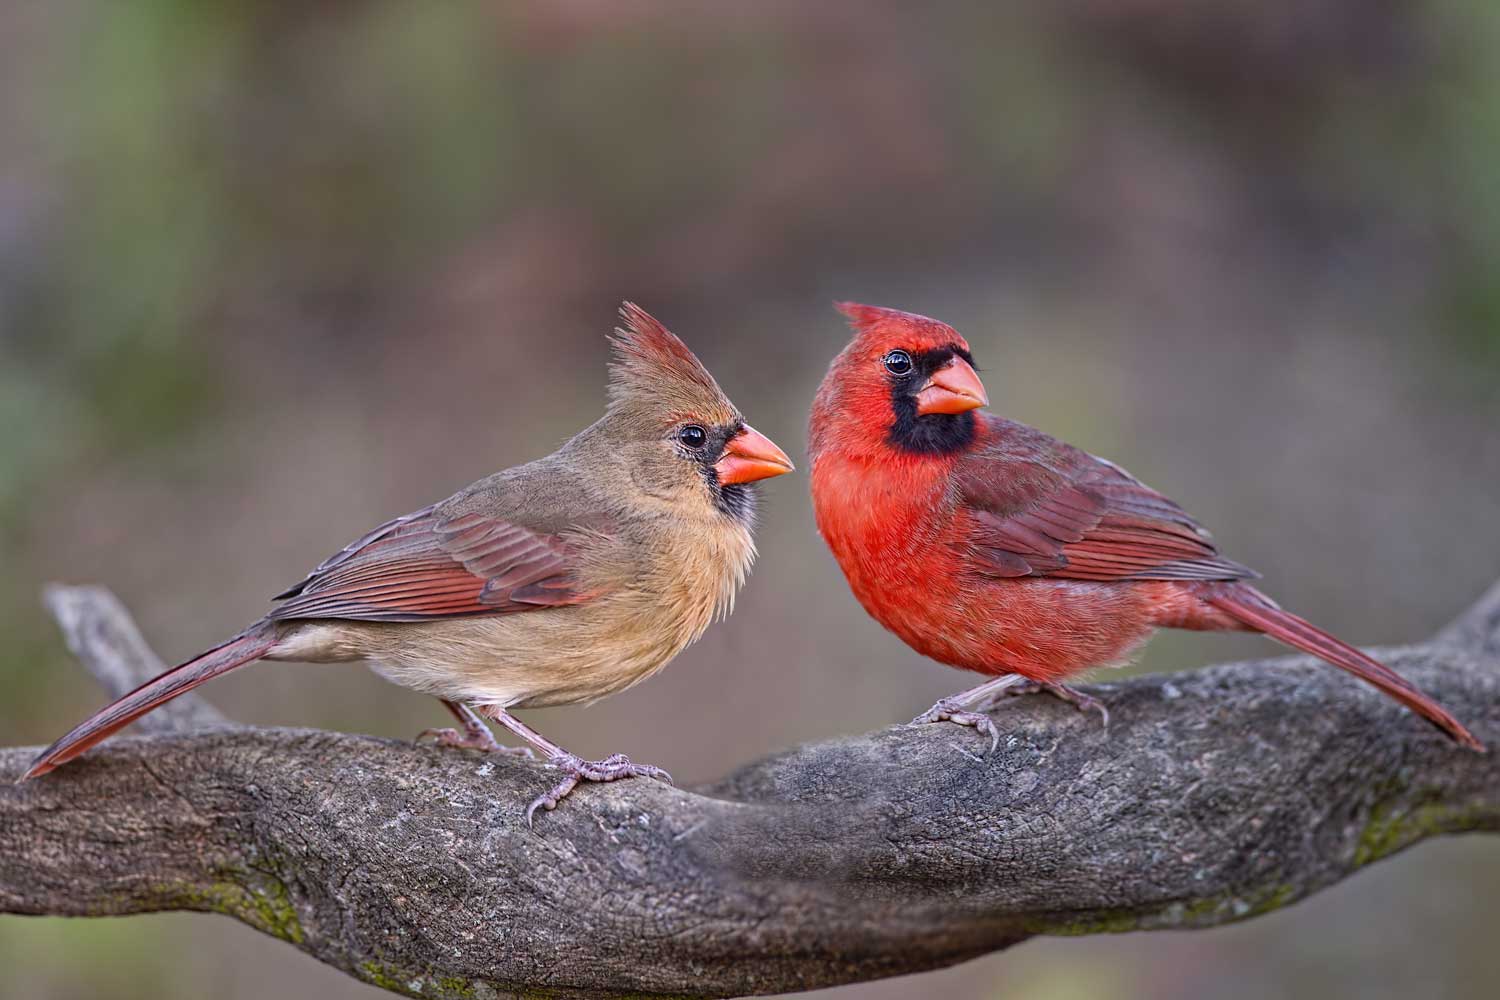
(988, 545)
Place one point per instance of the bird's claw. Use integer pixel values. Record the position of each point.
(611, 768)
(1079, 700)
(471, 739)
(1088, 703)
(952, 710)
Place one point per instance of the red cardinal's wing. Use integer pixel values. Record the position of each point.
(1043, 508)
(425, 565)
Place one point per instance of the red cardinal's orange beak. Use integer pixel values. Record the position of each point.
(749, 456)
(953, 388)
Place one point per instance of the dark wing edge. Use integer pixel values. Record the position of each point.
(350, 550)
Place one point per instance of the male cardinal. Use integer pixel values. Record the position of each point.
(556, 582)
(988, 545)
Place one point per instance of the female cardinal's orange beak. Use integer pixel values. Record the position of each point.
(953, 388)
(749, 456)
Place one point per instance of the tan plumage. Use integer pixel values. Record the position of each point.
(556, 582)
(660, 566)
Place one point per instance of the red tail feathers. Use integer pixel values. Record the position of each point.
(1255, 609)
(245, 648)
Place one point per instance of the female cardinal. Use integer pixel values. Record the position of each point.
(987, 545)
(553, 583)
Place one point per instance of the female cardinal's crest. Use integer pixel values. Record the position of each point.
(652, 367)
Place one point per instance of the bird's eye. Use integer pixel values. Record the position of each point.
(897, 363)
(693, 436)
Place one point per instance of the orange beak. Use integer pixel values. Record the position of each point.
(953, 388)
(749, 456)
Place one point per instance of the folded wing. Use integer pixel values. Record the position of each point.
(1060, 512)
(426, 565)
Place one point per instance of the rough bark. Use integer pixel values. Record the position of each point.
(1215, 795)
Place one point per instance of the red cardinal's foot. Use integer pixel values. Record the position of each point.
(952, 710)
(611, 768)
(477, 738)
(1079, 700)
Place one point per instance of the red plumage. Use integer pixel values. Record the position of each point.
(988, 545)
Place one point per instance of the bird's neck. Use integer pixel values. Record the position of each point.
(869, 493)
(696, 572)
(883, 500)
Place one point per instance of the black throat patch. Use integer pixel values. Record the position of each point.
(736, 500)
(927, 433)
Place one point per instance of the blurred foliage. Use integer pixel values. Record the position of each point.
(270, 268)
(1466, 100)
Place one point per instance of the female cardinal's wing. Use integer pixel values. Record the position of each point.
(1043, 508)
(428, 565)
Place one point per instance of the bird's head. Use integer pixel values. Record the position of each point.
(905, 382)
(679, 437)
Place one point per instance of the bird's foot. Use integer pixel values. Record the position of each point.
(1079, 700)
(611, 768)
(952, 710)
(471, 738)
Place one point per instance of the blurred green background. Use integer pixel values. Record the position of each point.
(273, 272)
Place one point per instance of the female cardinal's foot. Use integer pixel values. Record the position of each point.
(952, 709)
(470, 739)
(1079, 700)
(475, 735)
(611, 768)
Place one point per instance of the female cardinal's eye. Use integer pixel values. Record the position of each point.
(693, 436)
(897, 363)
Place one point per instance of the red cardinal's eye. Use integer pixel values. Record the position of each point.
(693, 436)
(897, 363)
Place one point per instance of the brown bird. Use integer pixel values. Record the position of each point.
(556, 582)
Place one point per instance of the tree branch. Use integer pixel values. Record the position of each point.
(1215, 796)
(101, 633)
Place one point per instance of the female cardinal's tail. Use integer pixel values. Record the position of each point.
(1250, 606)
(244, 648)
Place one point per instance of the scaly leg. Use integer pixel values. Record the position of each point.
(968, 707)
(576, 769)
(475, 736)
(1079, 700)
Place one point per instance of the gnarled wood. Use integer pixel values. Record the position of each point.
(1215, 795)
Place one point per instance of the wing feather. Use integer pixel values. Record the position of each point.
(424, 565)
(1042, 508)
